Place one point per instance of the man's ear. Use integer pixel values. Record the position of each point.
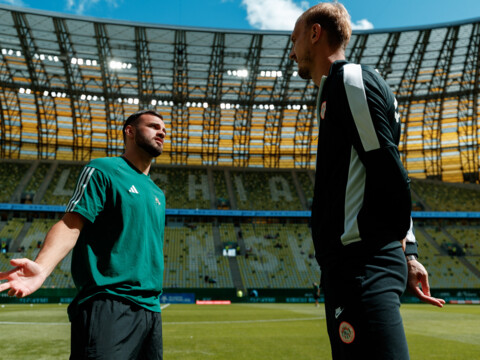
(129, 131)
(315, 33)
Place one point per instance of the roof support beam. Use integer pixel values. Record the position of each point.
(243, 115)
(406, 87)
(112, 92)
(274, 118)
(80, 108)
(468, 126)
(179, 131)
(384, 63)
(358, 48)
(433, 114)
(304, 139)
(10, 114)
(45, 105)
(212, 115)
(146, 87)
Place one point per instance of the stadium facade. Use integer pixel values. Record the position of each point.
(229, 98)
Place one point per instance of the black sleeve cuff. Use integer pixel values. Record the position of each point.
(411, 249)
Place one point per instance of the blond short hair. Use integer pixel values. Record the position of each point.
(334, 18)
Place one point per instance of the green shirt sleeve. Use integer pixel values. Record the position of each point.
(89, 196)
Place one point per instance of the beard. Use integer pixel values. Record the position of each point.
(150, 146)
(304, 67)
(304, 73)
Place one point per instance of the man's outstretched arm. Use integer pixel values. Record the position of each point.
(28, 275)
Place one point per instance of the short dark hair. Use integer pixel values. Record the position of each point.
(133, 119)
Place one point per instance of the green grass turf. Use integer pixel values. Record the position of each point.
(245, 331)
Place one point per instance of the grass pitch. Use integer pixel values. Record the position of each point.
(245, 331)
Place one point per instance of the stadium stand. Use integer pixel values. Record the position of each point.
(278, 256)
(11, 173)
(440, 196)
(274, 256)
(306, 186)
(242, 105)
(265, 190)
(184, 188)
(446, 270)
(190, 259)
(12, 229)
(242, 136)
(29, 247)
(35, 235)
(37, 179)
(227, 233)
(222, 197)
(468, 236)
(62, 185)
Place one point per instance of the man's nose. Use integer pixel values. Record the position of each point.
(292, 55)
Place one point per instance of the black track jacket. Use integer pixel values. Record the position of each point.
(362, 192)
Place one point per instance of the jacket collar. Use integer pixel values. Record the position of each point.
(336, 66)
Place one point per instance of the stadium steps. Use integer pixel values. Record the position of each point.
(240, 241)
(232, 261)
(43, 187)
(299, 190)
(236, 275)
(217, 241)
(231, 193)
(431, 241)
(17, 194)
(462, 259)
(312, 176)
(417, 197)
(211, 188)
(12, 229)
(16, 243)
(470, 266)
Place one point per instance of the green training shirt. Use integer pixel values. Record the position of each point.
(120, 249)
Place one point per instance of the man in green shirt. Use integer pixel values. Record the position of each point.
(114, 223)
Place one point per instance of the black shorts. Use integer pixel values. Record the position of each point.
(113, 328)
(362, 304)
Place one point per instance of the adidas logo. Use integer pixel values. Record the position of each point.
(133, 190)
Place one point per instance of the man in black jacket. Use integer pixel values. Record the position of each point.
(362, 205)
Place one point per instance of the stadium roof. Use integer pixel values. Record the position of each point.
(228, 97)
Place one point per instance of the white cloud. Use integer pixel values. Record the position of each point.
(80, 6)
(274, 14)
(363, 24)
(13, 2)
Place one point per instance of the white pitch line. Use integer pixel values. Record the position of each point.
(32, 323)
(238, 321)
(176, 322)
(47, 323)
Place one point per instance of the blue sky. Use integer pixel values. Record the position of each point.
(261, 14)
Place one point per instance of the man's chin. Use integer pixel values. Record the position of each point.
(305, 75)
(156, 153)
(153, 151)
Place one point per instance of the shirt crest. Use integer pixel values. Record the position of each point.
(323, 109)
